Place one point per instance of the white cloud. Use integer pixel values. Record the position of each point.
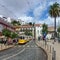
(38, 11)
(49, 21)
(20, 7)
(9, 19)
(51, 3)
(26, 19)
(1, 16)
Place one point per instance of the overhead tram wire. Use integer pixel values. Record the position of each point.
(7, 9)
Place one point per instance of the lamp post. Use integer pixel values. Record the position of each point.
(34, 30)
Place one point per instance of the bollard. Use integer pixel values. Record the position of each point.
(1, 46)
(50, 48)
(43, 44)
(47, 46)
(53, 54)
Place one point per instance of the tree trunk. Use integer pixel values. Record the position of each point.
(55, 28)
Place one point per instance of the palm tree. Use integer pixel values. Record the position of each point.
(54, 12)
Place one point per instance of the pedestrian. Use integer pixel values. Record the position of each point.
(44, 37)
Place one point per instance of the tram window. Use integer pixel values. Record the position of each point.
(22, 37)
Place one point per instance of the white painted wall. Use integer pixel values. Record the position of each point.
(38, 31)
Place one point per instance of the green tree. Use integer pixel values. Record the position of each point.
(14, 35)
(30, 23)
(44, 28)
(6, 32)
(9, 34)
(28, 33)
(58, 34)
(58, 29)
(15, 22)
(54, 12)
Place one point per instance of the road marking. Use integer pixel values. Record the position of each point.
(35, 46)
(27, 45)
(14, 55)
(23, 45)
(32, 46)
(19, 46)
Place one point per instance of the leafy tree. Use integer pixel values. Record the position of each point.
(6, 32)
(58, 29)
(18, 23)
(15, 22)
(58, 34)
(14, 35)
(54, 12)
(44, 28)
(30, 23)
(28, 33)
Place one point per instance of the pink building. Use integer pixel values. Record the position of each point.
(5, 24)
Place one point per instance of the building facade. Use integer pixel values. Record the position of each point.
(35, 30)
(38, 30)
(5, 25)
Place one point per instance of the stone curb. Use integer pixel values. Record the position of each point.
(49, 55)
(7, 47)
(44, 51)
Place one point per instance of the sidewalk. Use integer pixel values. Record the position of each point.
(4, 47)
(52, 50)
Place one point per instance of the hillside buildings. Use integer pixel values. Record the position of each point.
(5, 24)
(36, 30)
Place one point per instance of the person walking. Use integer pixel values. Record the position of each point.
(44, 38)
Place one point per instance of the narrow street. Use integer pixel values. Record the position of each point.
(29, 51)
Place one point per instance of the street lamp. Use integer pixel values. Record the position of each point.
(34, 30)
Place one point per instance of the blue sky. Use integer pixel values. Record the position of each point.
(28, 10)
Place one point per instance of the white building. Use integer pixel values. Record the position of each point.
(38, 30)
